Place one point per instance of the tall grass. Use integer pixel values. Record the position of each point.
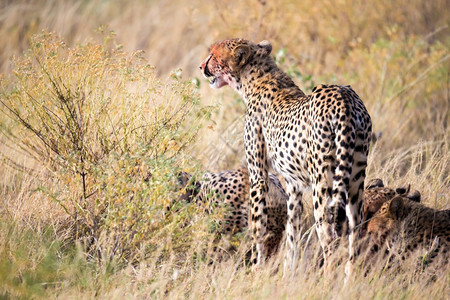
(175, 33)
(94, 132)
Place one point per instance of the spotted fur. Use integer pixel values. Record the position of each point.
(407, 226)
(232, 189)
(376, 194)
(319, 140)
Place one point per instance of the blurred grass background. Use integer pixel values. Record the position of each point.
(395, 54)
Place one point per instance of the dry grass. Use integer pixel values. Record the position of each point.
(395, 54)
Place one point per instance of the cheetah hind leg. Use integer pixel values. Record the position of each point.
(294, 211)
(322, 186)
(354, 207)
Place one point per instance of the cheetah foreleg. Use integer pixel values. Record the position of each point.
(258, 219)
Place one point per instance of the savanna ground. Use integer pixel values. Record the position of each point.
(102, 105)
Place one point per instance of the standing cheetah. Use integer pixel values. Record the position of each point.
(320, 140)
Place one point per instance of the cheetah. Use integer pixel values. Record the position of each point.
(232, 189)
(376, 194)
(319, 140)
(406, 226)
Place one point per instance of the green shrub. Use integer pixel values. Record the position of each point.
(112, 137)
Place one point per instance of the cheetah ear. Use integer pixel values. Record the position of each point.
(266, 47)
(374, 183)
(396, 207)
(403, 190)
(241, 54)
(414, 196)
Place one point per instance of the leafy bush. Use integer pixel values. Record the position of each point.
(112, 136)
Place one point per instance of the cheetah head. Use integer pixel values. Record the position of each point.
(227, 60)
(377, 194)
(386, 219)
(189, 184)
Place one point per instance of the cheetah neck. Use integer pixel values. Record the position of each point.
(261, 83)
